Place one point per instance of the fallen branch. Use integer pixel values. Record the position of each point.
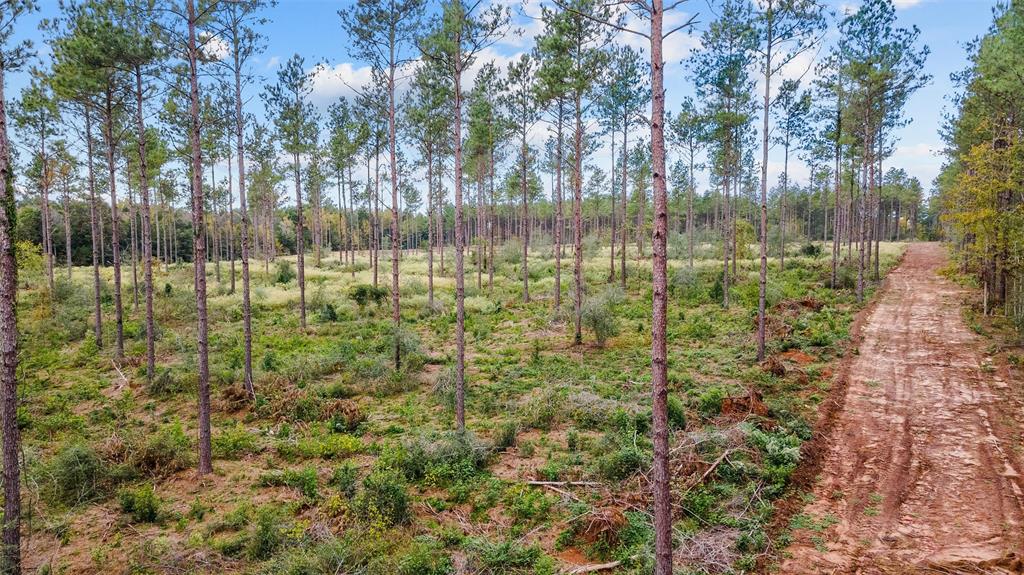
(557, 490)
(565, 483)
(594, 568)
(119, 372)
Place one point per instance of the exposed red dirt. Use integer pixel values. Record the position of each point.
(921, 473)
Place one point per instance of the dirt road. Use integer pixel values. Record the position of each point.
(922, 474)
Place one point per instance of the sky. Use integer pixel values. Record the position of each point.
(312, 29)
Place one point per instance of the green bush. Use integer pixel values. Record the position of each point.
(304, 480)
(505, 437)
(167, 451)
(622, 463)
(425, 557)
(345, 478)
(599, 318)
(327, 313)
(77, 474)
(141, 503)
(267, 535)
(709, 403)
(233, 442)
(810, 250)
(384, 499)
(363, 294)
(285, 272)
(676, 413)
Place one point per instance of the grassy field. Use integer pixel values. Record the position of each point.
(345, 466)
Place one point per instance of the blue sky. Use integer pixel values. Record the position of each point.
(312, 29)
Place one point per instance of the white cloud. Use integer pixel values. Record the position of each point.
(216, 48)
(903, 4)
(273, 62)
(333, 82)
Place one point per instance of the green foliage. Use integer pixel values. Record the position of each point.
(676, 413)
(77, 475)
(304, 480)
(285, 272)
(598, 317)
(364, 294)
(141, 504)
(384, 500)
(425, 557)
(233, 442)
(164, 452)
(709, 402)
(345, 478)
(267, 535)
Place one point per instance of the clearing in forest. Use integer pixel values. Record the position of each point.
(923, 469)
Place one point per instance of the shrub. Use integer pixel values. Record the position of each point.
(621, 463)
(810, 250)
(345, 478)
(304, 481)
(425, 558)
(709, 403)
(363, 294)
(77, 473)
(599, 318)
(233, 442)
(267, 535)
(327, 313)
(676, 413)
(165, 452)
(141, 504)
(505, 437)
(285, 272)
(384, 499)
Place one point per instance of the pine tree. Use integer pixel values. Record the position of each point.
(293, 118)
(455, 40)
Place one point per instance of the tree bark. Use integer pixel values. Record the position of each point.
(243, 206)
(147, 249)
(10, 537)
(115, 240)
(199, 249)
(659, 356)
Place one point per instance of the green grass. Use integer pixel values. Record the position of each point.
(387, 487)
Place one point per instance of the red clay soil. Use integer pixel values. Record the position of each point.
(922, 470)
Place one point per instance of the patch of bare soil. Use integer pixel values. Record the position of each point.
(920, 473)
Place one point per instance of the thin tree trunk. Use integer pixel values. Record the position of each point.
(460, 280)
(559, 219)
(763, 278)
(243, 206)
(659, 356)
(300, 248)
(396, 316)
(147, 248)
(199, 249)
(577, 223)
(115, 241)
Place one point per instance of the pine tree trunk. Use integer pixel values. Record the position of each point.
(559, 219)
(396, 316)
(147, 248)
(577, 223)
(300, 247)
(659, 274)
(243, 207)
(10, 536)
(199, 250)
(115, 240)
(460, 279)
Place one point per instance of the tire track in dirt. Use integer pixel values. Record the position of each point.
(919, 475)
